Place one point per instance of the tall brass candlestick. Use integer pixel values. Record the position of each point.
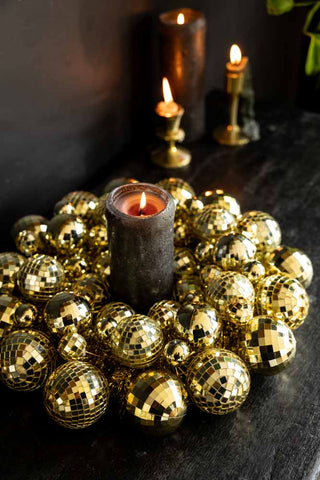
(232, 134)
(182, 60)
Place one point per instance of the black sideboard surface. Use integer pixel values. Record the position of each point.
(275, 435)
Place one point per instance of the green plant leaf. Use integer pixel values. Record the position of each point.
(309, 19)
(312, 65)
(278, 7)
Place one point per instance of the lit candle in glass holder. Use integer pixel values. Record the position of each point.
(169, 114)
(232, 134)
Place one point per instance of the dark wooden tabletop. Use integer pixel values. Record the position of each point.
(275, 435)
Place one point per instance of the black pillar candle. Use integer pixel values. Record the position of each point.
(182, 60)
(141, 244)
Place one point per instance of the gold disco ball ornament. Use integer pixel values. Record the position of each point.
(266, 345)
(164, 312)
(221, 199)
(204, 252)
(32, 223)
(283, 298)
(218, 381)
(254, 271)
(66, 309)
(10, 263)
(76, 395)
(208, 273)
(180, 190)
(66, 233)
(8, 308)
(79, 203)
(181, 233)
(76, 265)
(25, 316)
(40, 278)
(109, 317)
(184, 262)
(293, 262)
(28, 243)
(156, 401)
(198, 324)
(27, 358)
(225, 287)
(176, 352)
(261, 229)
(239, 311)
(187, 285)
(98, 238)
(232, 251)
(93, 289)
(101, 265)
(72, 346)
(212, 222)
(193, 205)
(136, 341)
(118, 182)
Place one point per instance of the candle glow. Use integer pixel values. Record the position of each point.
(180, 19)
(235, 55)
(167, 95)
(143, 202)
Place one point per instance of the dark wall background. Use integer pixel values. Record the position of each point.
(78, 81)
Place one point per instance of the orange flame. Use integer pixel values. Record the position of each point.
(167, 95)
(143, 201)
(235, 55)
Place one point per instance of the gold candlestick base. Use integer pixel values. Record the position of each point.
(171, 157)
(230, 135)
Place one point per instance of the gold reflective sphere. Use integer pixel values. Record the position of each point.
(66, 309)
(8, 308)
(208, 273)
(187, 285)
(218, 381)
(94, 290)
(25, 315)
(193, 205)
(32, 223)
(211, 222)
(181, 233)
(232, 251)
(180, 190)
(184, 262)
(98, 238)
(262, 229)
(10, 263)
(198, 324)
(239, 311)
(27, 358)
(156, 402)
(294, 263)
(40, 277)
(266, 345)
(164, 312)
(72, 346)
(176, 352)
(221, 199)
(76, 265)
(79, 203)
(28, 243)
(284, 298)
(101, 265)
(66, 233)
(110, 316)
(254, 271)
(136, 341)
(222, 289)
(204, 252)
(76, 395)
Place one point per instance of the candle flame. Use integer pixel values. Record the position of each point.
(235, 55)
(180, 19)
(167, 95)
(143, 201)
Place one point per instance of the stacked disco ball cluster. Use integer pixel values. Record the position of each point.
(238, 296)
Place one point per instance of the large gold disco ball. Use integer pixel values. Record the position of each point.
(66, 233)
(218, 381)
(262, 229)
(79, 203)
(266, 345)
(232, 251)
(293, 262)
(40, 277)
(284, 298)
(76, 395)
(221, 199)
(226, 286)
(156, 401)
(32, 223)
(136, 341)
(27, 358)
(164, 312)
(109, 317)
(66, 309)
(211, 222)
(10, 263)
(180, 190)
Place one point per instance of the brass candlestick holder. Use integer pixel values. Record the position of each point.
(170, 155)
(232, 134)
